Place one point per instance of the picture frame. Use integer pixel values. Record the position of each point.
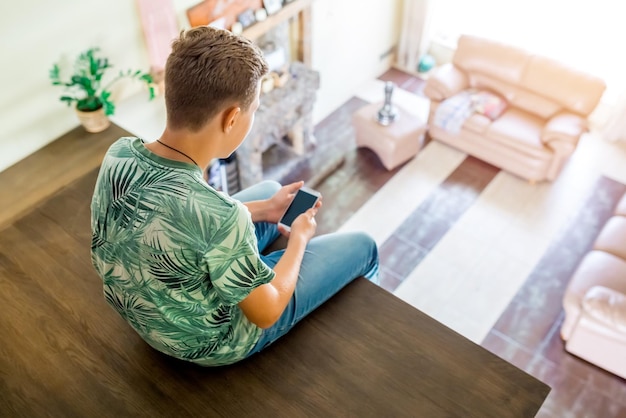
(208, 11)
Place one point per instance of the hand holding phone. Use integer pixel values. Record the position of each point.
(304, 199)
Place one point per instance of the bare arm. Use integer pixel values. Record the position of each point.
(266, 303)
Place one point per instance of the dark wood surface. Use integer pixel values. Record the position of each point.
(38, 176)
(64, 352)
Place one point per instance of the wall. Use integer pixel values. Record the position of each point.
(37, 33)
(348, 38)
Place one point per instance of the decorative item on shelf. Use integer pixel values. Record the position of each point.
(260, 15)
(83, 87)
(388, 113)
(246, 18)
(236, 28)
(281, 76)
(267, 83)
(275, 79)
(272, 6)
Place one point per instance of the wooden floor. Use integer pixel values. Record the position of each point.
(48, 282)
(38, 176)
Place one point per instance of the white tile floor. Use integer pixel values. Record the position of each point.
(472, 274)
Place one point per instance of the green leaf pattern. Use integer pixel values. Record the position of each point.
(175, 256)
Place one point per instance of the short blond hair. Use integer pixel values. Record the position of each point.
(208, 70)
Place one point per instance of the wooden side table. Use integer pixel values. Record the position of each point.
(394, 144)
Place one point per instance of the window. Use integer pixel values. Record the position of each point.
(587, 35)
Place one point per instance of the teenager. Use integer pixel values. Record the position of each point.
(181, 262)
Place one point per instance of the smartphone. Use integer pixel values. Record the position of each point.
(305, 199)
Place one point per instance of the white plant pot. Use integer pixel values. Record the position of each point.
(95, 121)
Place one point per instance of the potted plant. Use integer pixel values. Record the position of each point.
(93, 103)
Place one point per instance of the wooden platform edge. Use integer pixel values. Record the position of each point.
(27, 183)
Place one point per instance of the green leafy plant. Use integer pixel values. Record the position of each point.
(84, 86)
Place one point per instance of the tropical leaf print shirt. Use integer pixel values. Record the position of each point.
(175, 256)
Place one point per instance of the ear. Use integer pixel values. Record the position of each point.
(230, 118)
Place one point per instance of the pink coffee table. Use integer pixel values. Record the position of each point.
(394, 144)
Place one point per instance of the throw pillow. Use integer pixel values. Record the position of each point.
(489, 104)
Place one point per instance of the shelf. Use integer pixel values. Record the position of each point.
(285, 13)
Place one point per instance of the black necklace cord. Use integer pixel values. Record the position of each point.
(178, 151)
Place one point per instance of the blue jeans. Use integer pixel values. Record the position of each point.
(330, 262)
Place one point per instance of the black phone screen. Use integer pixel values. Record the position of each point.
(300, 204)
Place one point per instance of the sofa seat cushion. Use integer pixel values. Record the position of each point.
(521, 131)
(477, 123)
(612, 238)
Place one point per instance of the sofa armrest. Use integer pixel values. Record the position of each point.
(563, 130)
(606, 307)
(445, 81)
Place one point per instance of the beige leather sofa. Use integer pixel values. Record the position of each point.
(595, 300)
(548, 105)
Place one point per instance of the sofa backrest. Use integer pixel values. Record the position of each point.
(535, 84)
(572, 89)
(493, 59)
